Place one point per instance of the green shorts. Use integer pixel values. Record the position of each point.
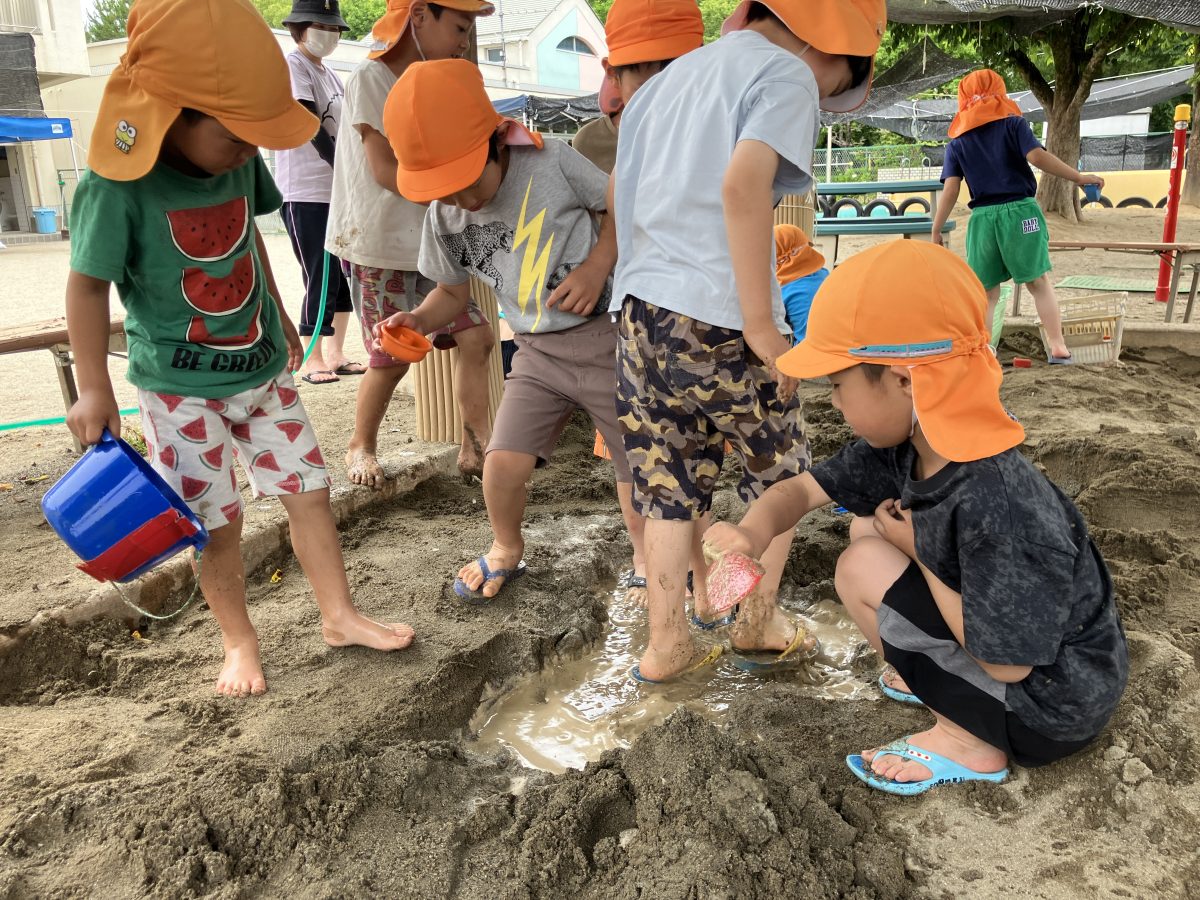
(1008, 241)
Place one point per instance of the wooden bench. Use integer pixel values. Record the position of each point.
(830, 231)
(1179, 255)
(52, 335)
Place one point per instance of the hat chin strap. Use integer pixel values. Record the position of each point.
(413, 25)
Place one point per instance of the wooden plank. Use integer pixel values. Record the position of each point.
(42, 335)
(1123, 245)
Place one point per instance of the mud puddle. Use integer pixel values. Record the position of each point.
(576, 709)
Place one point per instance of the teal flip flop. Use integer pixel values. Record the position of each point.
(945, 771)
(898, 695)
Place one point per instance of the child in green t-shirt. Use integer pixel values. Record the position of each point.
(167, 215)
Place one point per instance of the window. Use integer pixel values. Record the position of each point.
(576, 45)
(495, 54)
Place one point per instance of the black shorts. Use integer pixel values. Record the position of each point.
(919, 644)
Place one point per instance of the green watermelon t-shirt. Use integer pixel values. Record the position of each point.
(182, 254)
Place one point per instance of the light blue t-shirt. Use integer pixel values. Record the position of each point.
(677, 137)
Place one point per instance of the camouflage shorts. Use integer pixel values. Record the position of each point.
(684, 390)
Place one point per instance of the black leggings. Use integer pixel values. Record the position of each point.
(305, 224)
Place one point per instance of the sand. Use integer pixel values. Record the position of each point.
(356, 775)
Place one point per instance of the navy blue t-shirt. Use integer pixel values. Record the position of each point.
(992, 160)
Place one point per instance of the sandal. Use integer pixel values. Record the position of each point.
(477, 597)
(944, 771)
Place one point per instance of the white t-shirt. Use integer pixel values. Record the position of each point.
(302, 176)
(677, 137)
(368, 224)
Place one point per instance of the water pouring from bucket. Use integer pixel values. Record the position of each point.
(119, 516)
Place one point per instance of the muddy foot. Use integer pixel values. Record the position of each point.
(777, 635)
(635, 588)
(658, 665)
(362, 467)
(470, 457)
(242, 674)
(498, 558)
(356, 630)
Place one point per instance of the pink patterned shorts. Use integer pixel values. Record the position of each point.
(192, 443)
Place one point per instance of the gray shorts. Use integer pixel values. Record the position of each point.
(554, 374)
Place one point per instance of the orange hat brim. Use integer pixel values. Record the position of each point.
(387, 30)
(293, 128)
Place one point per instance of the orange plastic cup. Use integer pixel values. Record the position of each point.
(403, 344)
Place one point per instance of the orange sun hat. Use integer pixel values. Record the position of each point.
(215, 56)
(438, 119)
(838, 27)
(982, 98)
(640, 31)
(389, 28)
(914, 304)
(795, 256)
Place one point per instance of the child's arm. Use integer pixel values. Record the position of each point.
(949, 197)
(380, 157)
(746, 192)
(440, 307)
(581, 289)
(776, 512)
(88, 330)
(291, 337)
(1052, 165)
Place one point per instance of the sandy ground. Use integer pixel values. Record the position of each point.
(121, 776)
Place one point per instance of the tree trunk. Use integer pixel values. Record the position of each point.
(1191, 172)
(1062, 139)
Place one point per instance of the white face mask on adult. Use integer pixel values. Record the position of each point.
(321, 43)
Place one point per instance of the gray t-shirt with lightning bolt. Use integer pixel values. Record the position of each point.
(536, 229)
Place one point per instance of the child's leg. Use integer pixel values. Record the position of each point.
(504, 476)
(223, 582)
(761, 624)
(993, 297)
(471, 390)
(1046, 303)
(376, 294)
(319, 551)
(668, 547)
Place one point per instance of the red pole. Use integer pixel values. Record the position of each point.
(1183, 115)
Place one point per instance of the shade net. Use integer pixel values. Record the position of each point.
(1035, 13)
(918, 69)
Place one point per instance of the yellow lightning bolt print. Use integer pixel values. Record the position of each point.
(534, 261)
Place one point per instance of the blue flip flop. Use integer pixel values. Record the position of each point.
(896, 694)
(709, 658)
(945, 771)
(1060, 360)
(772, 660)
(724, 622)
(478, 598)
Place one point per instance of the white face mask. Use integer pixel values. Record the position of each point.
(321, 43)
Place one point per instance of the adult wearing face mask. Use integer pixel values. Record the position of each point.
(305, 177)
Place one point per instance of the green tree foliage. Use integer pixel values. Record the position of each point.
(360, 15)
(106, 21)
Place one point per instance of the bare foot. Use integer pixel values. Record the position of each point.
(635, 590)
(975, 755)
(356, 630)
(242, 674)
(497, 557)
(470, 457)
(775, 633)
(362, 467)
(1060, 351)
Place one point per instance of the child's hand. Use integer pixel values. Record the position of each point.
(725, 537)
(396, 320)
(92, 413)
(295, 348)
(768, 345)
(894, 524)
(1089, 178)
(579, 291)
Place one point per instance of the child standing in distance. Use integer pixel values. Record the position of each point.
(521, 215)
(378, 232)
(305, 178)
(967, 570)
(707, 148)
(166, 213)
(800, 270)
(643, 36)
(992, 147)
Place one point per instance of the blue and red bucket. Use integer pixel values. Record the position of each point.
(118, 514)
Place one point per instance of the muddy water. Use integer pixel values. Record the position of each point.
(576, 709)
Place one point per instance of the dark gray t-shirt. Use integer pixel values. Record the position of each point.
(1035, 591)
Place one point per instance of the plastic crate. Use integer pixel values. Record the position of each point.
(1092, 327)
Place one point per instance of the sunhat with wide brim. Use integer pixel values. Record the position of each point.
(439, 154)
(389, 28)
(215, 56)
(982, 98)
(643, 31)
(914, 304)
(837, 27)
(316, 12)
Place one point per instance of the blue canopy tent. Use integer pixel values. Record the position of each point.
(24, 129)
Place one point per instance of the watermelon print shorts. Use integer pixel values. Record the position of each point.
(379, 293)
(192, 443)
